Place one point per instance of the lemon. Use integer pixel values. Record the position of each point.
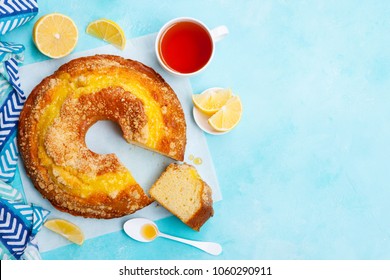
(210, 101)
(55, 35)
(66, 229)
(108, 31)
(228, 116)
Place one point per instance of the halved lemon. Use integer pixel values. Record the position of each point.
(228, 116)
(55, 35)
(210, 101)
(108, 31)
(66, 229)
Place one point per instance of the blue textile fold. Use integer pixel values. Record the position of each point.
(14, 13)
(12, 99)
(19, 223)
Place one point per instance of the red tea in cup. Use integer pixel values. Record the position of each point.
(186, 47)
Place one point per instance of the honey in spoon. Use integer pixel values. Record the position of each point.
(149, 231)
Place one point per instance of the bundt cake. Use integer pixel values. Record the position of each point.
(58, 113)
(181, 190)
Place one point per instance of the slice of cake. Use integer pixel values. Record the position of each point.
(182, 191)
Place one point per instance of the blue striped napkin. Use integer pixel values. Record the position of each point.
(19, 223)
(12, 99)
(14, 13)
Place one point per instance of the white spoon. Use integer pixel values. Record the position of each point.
(145, 230)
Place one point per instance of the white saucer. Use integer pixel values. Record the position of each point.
(201, 121)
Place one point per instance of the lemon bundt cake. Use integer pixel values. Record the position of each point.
(58, 113)
(181, 190)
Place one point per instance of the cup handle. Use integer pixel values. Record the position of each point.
(218, 33)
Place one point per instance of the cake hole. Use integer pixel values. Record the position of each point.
(106, 137)
(103, 138)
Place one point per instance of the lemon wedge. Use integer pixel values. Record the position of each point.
(228, 116)
(55, 35)
(66, 229)
(108, 31)
(210, 101)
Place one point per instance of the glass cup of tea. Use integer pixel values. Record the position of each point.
(185, 46)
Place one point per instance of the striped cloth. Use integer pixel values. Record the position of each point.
(11, 103)
(19, 223)
(14, 13)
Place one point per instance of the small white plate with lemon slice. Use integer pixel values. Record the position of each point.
(201, 120)
(217, 111)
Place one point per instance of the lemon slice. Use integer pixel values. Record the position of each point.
(228, 116)
(66, 229)
(210, 101)
(108, 31)
(55, 35)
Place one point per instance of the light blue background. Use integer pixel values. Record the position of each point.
(306, 173)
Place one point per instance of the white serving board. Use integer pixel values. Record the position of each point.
(105, 137)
